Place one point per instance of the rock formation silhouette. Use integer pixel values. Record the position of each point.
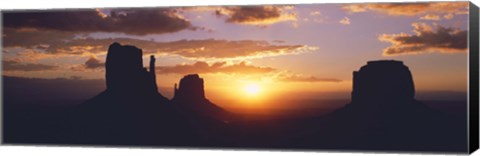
(130, 111)
(125, 72)
(384, 115)
(190, 95)
(385, 87)
(209, 120)
(383, 81)
(191, 87)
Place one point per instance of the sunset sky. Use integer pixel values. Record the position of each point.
(252, 53)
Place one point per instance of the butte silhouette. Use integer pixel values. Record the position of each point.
(384, 115)
(130, 111)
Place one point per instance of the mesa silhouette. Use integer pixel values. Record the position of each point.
(130, 111)
(132, 107)
(383, 115)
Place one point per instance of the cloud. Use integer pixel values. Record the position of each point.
(256, 15)
(431, 17)
(448, 16)
(94, 63)
(45, 43)
(33, 39)
(301, 78)
(345, 21)
(13, 65)
(239, 68)
(218, 67)
(129, 21)
(315, 13)
(410, 9)
(225, 49)
(426, 39)
(35, 45)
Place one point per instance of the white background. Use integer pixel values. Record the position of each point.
(85, 151)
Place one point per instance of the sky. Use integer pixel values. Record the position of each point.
(249, 53)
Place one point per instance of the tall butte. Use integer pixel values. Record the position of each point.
(130, 107)
(125, 72)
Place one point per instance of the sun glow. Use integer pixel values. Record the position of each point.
(252, 89)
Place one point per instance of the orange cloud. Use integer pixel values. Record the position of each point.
(448, 16)
(256, 15)
(65, 44)
(239, 68)
(410, 9)
(431, 17)
(426, 39)
(301, 78)
(13, 65)
(218, 67)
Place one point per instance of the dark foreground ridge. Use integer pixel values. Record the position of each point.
(383, 115)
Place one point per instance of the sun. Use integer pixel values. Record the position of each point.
(252, 89)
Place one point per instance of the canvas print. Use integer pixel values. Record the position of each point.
(353, 76)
